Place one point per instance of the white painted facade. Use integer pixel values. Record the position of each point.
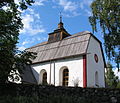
(94, 70)
(74, 65)
(94, 67)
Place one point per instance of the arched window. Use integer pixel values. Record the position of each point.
(96, 79)
(44, 78)
(65, 77)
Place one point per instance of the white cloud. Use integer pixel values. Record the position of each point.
(31, 26)
(27, 19)
(30, 40)
(73, 14)
(117, 73)
(17, 1)
(88, 12)
(36, 3)
(71, 8)
(21, 48)
(40, 39)
(82, 5)
(25, 42)
(85, 3)
(36, 31)
(68, 5)
(37, 15)
(31, 11)
(31, 20)
(39, 2)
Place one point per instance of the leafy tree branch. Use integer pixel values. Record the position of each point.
(106, 13)
(10, 24)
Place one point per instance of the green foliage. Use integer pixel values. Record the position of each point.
(118, 85)
(107, 14)
(111, 79)
(10, 25)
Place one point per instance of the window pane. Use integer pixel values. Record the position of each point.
(65, 77)
(44, 78)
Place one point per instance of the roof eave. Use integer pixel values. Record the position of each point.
(60, 58)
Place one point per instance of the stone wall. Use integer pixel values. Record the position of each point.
(51, 94)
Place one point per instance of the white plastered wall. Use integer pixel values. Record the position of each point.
(92, 66)
(74, 65)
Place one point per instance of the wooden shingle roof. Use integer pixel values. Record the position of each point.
(71, 46)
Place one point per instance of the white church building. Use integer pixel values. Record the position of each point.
(67, 60)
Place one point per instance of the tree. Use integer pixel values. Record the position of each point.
(118, 85)
(10, 24)
(106, 13)
(111, 79)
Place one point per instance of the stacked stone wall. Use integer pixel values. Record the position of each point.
(52, 94)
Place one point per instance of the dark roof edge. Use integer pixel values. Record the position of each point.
(95, 38)
(61, 58)
(103, 55)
